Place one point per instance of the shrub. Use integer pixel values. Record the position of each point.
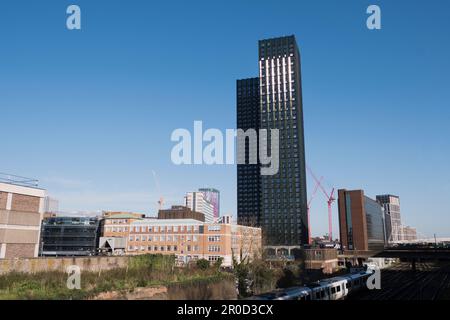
(218, 263)
(203, 264)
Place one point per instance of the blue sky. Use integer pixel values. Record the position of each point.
(89, 113)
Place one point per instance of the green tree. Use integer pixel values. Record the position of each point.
(241, 271)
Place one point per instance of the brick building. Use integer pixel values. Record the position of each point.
(117, 223)
(190, 239)
(180, 212)
(21, 213)
(361, 221)
(115, 228)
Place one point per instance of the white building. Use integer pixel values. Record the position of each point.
(228, 219)
(392, 216)
(408, 233)
(196, 201)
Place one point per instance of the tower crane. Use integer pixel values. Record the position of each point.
(316, 187)
(330, 199)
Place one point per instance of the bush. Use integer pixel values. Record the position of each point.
(218, 263)
(287, 279)
(203, 264)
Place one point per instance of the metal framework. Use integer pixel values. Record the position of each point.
(330, 199)
(18, 180)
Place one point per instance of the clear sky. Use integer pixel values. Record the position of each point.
(89, 113)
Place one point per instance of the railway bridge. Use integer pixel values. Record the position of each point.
(416, 254)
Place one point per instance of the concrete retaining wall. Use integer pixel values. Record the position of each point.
(34, 265)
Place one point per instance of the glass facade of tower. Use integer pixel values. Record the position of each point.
(283, 213)
(375, 224)
(70, 236)
(248, 176)
(213, 196)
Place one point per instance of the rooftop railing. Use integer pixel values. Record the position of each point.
(18, 180)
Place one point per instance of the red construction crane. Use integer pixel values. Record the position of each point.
(330, 200)
(316, 187)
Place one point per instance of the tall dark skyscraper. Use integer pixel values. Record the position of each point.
(249, 178)
(282, 211)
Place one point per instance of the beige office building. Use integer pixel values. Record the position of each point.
(190, 240)
(21, 213)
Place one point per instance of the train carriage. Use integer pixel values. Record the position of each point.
(336, 288)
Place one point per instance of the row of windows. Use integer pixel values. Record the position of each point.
(153, 248)
(271, 99)
(278, 69)
(279, 222)
(277, 79)
(278, 88)
(248, 92)
(169, 238)
(248, 111)
(278, 63)
(164, 228)
(214, 258)
(162, 248)
(213, 248)
(275, 118)
(118, 221)
(274, 85)
(118, 229)
(163, 238)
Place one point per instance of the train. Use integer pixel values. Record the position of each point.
(336, 288)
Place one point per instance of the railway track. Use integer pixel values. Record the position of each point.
(444, 286)
(399, 282)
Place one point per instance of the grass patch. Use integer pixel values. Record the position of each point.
(142, 271)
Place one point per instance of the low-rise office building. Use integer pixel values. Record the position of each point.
(324, 259)
(21, 212)
(408, 233)
(70, 236)
(117, 224)
(190, 240)
(115, 228)
(361, 221)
